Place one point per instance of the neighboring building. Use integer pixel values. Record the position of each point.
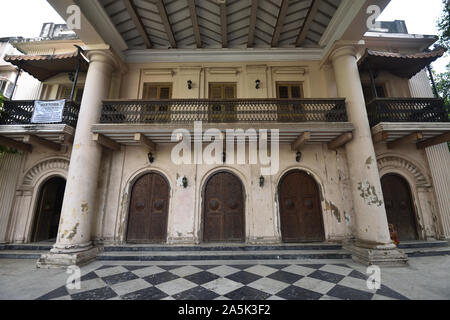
(354, 110)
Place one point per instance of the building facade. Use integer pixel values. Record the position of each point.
(342, 134)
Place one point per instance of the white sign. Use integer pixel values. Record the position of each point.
(48, 111)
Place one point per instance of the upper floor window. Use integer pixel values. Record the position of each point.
(289, 90)
(292, 111)
(65, 92)
(157, 91)
(222, 112)
(6, 87)
(368, 92)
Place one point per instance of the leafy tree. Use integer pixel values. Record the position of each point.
(444, 25)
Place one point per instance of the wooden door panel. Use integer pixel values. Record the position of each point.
(300, 211)
(399, 207)
(224, 209)
(147, 222)
(49, 210)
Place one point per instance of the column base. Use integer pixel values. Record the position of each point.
(381, 255)
(61, 259)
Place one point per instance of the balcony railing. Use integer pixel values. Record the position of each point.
(223, 111)
(20, 112)
(406, 110)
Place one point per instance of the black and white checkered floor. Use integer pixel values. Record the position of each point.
(223, 282)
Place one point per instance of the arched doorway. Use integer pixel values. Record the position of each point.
(48, 210)
(149, 207)
(399, 206)
(300, 211)
(224, 209)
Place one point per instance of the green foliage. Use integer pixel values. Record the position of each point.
(444, 25)
(443, 85)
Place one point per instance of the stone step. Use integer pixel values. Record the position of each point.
(427, 252)
(220, 247)
(222, 255)
(21, 254)
(423, 244)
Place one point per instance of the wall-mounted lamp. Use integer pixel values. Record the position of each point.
(185, 182)
(151, 158)
(224, 157)
(189, 83)
(71, 76)
(261, 181)
(298, 156)
(258, 84)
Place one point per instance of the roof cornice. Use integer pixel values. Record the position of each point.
(222, 55)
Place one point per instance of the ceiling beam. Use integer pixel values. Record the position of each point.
(410, 138)
(443, 138)
(35, 140)
(10, 143)
(251, 32)
(340, 141)
(301, 141)
(129, 5)
(166, 22)
(224, 24)
(280, 22)
(105, 142)
(194, 18)
(144, 141)
(308, 21)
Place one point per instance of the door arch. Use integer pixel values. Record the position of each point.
(399, 206)
(149, 207)
(301, 217)
(48, 210)
(224, 209)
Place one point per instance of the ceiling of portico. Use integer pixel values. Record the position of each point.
(190, 24)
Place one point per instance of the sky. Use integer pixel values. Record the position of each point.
(25, 18)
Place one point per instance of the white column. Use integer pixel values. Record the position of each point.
(73, 245)
(439, 161)
(373, 243)
(10, 165)
(438, 158)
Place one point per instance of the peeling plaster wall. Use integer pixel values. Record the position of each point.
(328, 168)
(411, 163)
(36, 168)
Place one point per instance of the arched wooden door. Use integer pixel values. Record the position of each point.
(224, 209)
(147, 221)
(399, 207)
(300, 210)
(48, 212)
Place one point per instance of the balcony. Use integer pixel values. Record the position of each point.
(20, 112)
(299, 121)
(17, 130)
(406, 110)
(224, 111)
(399, 121)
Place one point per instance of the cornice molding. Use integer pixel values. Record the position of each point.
(222, 55)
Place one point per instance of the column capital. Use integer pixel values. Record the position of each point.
(343, 51)
(107, 57)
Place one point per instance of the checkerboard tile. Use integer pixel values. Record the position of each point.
(224, 282)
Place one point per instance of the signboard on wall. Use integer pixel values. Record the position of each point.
(48, 111)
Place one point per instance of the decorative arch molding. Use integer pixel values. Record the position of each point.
(55, 164)
(405, 166)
